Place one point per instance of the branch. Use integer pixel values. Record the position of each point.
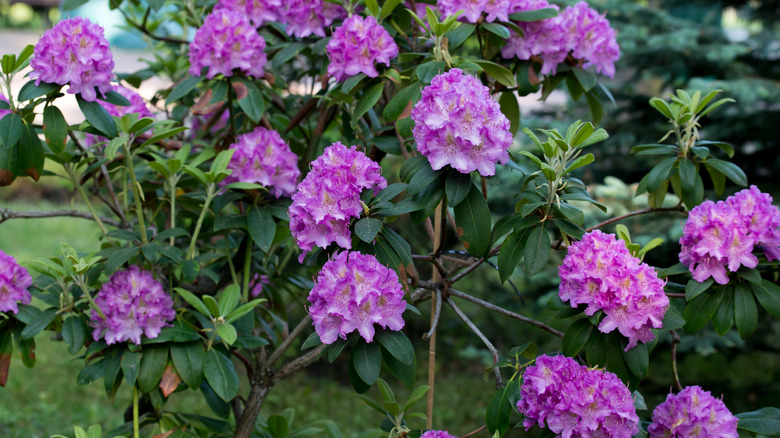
(147, 32)
(679, 208)
(474, 432)
(297, 364)
(6, 214)
(675, 341)
(436, 314)
(501, 310)
(481, 336)
(289, 340)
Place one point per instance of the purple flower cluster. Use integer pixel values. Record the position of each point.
(578, 30)
(356, 45)
(258, 11)
(263, 157)
(692, 413)
(473, 9)
(353, 292)
(137, 106)
(724, 234)
(74, 52)
(134, 304)
(14, 281)
(329, 197)
(437, 434)
(457, 122)
(576, 401)
(307, 17)
(227, 41)
(600, 271)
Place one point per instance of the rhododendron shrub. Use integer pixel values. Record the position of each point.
(315, 180)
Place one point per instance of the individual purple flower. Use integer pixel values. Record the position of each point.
(134, 304)
(137, 106)
(357, 45)
(437, 434)
(724, 235)
(457, 123)
(353, 291)
(3, 112)
(329, 197)
(473, 9)
(575, 401)
(600, 272)
(543, 38)
(258, 11)
(14, 281)
(307, 17)
(227, 41)
(74, 52)
(591, 38)
(263, 157)
(692, 413)
(258, 282)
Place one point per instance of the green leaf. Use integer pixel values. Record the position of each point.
(768, 294)
(312, 341)
(701, 309)
(367, 228)
(659, 174)
(595, 106)
(40, 322)
(498, 72)
(459, 35)
(499, 411)
(367, 100)
(152, 368)
(243, 310)
(183, 88)
(537, 250)
(427, 70)
(357, 383)
(745, 311)
(227, 332)
(221, 375)
(11, 127)
(286, 53)
(396, 344)
(74, 332)
(694, 288)
(367, 361)
(579, 162)
(228, 301)
(193, 301)
(403, 372)
(131, 366)
(672, 320)
(637, 360)
(55, 129)
(457, 187)
(403, 98)
(500, 30)
(167, 133)
(188, 360)
(335, 349)
(731, 170)
(387, 8)
(30, 91)
(723, 319)
(576, 337)
(212, 305)
(97, 115)
(253, 103)
(510, 253)
(261, 227)
(511, 109)
(278, 426)
(534, 15)
(69, 5)
(472, 216)
(764, 421)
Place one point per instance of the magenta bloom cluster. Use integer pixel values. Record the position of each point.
(357, 45)
(353, 292)
(14, 281)
(600, 271)
(258, 11)
(329, 197)
(724, 235)
(437, 434)
(263, 157)
(134, 304)
(457, 123)
(575, 401)
(692, 413)
(473, 9)
(309, 17)
(579, 31)
(74, 52)
(227, 41)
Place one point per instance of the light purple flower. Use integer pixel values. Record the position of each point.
(723, 235)
(14, 281)
(3, 112)
(258, 282)
(353, 291)
(457, 123)
(600, 271)
(258, 11)
(578, 30)
(329, 197)
(437, 434)
(473, 9)
(227, 41)
(307, 17)
(137, 106)
(134, 304)
(575, 401)
(74, 52)
(263, 157)
(692, 413)
(357, 45)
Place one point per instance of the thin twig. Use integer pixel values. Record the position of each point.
(437, 312)
(149, 33)
(675, 341)
(305, 322)
(501, 310)
(675, 295)
(485, 340)
(245, 361)
(6, 214)
(475, 265)
(297, 364)
(679, 208)
(474, 432)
